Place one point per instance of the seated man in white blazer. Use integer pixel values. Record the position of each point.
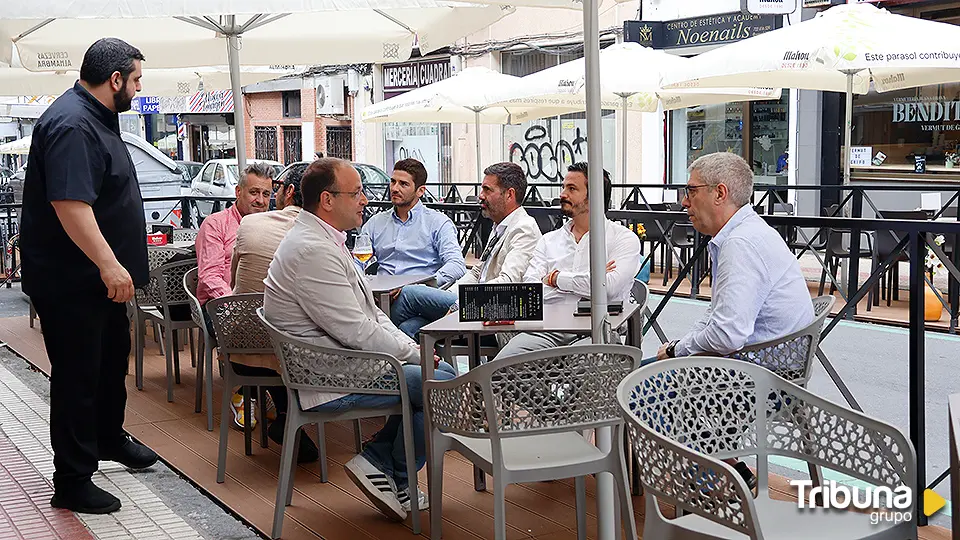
(504, 260)
(313, 291)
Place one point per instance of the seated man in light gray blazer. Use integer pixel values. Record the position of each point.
(313, 291)
(504, 260)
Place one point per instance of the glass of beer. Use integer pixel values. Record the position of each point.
(363, 250)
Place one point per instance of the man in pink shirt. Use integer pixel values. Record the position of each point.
(214, 245)
(219, 231)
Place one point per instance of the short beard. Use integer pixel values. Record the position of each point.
(120, 100)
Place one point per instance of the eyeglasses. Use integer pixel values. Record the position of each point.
(354, 194)
(685, 191)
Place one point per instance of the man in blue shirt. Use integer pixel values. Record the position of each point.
(413, 239)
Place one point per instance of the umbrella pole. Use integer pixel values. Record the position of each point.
(476, 126)
(607, 529)
(233, 58)
(623, 141)
(848, 129)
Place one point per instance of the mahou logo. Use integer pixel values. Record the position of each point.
(796, 56)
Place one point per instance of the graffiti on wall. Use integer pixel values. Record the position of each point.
(544, 159)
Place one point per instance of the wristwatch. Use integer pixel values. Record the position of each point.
(671, 349)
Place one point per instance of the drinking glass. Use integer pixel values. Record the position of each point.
(363, 250)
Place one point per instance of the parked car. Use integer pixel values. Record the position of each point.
(219, 178)
(188, 170)
(158, 176)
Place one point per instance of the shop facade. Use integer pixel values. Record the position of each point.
(198, 127)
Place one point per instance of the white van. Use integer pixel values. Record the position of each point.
(158, 176)
(219, 178)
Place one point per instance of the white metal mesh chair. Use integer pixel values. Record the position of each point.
(238, 331)
(791, 357)
(685, 416)
(324, 369)
(521, 419)
(166, 282)
(185, 235)
(206, 345)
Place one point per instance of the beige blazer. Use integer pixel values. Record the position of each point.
(511, 255)
(313, 291)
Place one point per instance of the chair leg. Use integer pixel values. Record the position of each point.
(622, 489)
(193, 349)
(224, 426)
(435, 492)
(411, 460)
(322, 446)
(823, 279)
(499, 509)
(294, 426)
(168, 346)
(176, 355)
(285, 479)
(581, 489)
(247, 424)
(357, 435)
(198, 406)
(208, 360)
(262, 400)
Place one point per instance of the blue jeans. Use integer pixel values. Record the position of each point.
(386, 451)
(418, 306)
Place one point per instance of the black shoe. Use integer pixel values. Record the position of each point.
(746, 474)
(131, 455)
(85, 498)
(306, 453)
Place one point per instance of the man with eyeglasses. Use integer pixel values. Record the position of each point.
(314, 291)
(759, 292)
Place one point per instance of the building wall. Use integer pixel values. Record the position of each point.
(266, 109)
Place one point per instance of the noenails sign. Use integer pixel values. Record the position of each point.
(768, 7)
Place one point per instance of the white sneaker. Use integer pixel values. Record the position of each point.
(378, 487)
(404, 499)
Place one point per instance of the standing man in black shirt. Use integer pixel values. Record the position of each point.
(84, 249)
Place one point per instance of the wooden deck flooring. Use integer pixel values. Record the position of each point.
(335, 510)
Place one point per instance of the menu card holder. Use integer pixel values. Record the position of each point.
(501, 302)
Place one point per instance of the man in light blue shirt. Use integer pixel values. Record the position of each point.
(759, 292)
(413, 239)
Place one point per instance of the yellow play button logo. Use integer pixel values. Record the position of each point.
(932, 502)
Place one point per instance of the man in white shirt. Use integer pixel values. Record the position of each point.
(504, 259)
(562, 261)
(314, 292)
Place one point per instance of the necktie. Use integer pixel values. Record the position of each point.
(490, 245)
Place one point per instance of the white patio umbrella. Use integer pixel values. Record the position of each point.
(16, 81)
(52, 36)
(630, 80)
(18, 147)
(464, 98)
(842, 49)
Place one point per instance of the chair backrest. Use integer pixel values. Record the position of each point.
(680, 411)
(160, 255)
(640, 291)
(185, 235)
(555, 390)
(237, 326)
(305, 366)
(783, 208)
(169, 283)
(791, 357)
(190, 280)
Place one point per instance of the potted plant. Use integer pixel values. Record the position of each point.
(951, 159)
(932, 307)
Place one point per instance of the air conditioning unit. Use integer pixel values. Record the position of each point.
(330, 94)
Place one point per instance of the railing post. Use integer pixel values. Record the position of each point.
(186, 216)
(916, 365)
(853, 274)
(696, 270)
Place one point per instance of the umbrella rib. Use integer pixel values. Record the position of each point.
(202, 24)
(261, 21)
(32, 30)
(395, 21)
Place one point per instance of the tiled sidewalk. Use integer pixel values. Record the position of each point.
(26, 471)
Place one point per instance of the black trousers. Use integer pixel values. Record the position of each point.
(88, 344)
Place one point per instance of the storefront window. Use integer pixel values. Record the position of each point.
(424, 142)
(893, 128)
(698, 131)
